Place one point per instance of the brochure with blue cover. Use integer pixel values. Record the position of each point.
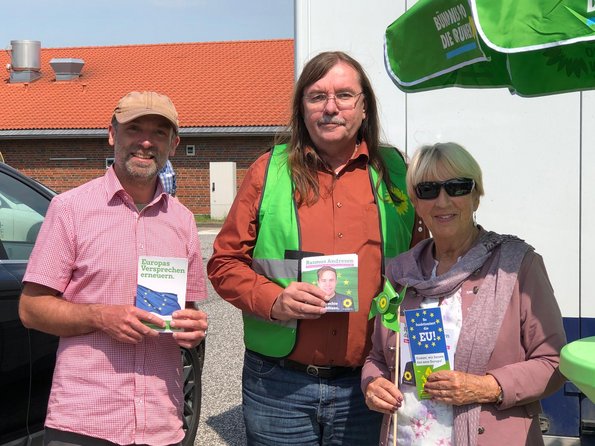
(161, 287)
(427, 340)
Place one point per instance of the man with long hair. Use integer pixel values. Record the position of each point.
(327, 188)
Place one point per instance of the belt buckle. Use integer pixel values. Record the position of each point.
(313, 370)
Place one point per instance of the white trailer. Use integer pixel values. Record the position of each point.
(537, 157)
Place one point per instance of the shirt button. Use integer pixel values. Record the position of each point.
(339, 204)
(480, 430)
(340, 235)
(420, 229)
(334, 332)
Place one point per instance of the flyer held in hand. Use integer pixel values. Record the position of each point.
(161, 287)
(428, 344)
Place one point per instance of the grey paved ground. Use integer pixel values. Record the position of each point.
(221, 420)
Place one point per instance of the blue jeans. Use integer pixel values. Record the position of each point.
(288, 407)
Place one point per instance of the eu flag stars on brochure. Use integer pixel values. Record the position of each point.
(428, 344)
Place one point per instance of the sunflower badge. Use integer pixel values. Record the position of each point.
(386, 305)
(398, 197)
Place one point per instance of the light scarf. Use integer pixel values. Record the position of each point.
(502, 255)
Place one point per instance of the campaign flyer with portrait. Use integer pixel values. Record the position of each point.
(423, 347)
(337, 276)
(161, 287)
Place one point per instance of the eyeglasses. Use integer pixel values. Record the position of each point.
(455, 187)
(344, 100)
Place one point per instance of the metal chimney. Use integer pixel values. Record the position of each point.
(67, 68)
(25, 58)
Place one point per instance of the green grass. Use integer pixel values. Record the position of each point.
(200, 218)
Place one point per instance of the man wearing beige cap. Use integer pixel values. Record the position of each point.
(117, 381)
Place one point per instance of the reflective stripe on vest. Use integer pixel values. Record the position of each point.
(275, 268)
(279, 230)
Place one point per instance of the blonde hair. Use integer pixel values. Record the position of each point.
(443, 161)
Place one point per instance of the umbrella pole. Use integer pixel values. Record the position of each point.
(397, 371)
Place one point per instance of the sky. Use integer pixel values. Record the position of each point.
(68, 23)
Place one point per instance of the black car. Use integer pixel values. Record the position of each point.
(27, 357)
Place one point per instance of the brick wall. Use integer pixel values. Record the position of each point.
(51, 162)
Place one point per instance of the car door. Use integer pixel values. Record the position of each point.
(26, 356)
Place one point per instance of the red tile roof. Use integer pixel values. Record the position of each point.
(241, 83)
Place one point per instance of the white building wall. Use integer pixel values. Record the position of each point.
(530, 149)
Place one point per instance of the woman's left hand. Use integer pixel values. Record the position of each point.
(458, 388)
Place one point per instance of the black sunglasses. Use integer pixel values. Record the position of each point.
(455, 187)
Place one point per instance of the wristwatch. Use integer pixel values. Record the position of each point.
(500, 395)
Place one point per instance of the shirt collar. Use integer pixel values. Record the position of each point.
(361, 150)
(114, 187)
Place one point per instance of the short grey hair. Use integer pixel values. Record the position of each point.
(443, 161)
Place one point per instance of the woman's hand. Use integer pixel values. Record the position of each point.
(458, 388)
(383, 396)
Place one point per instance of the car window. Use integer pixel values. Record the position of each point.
(22, 210)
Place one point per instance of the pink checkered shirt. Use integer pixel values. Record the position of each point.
(88, 249)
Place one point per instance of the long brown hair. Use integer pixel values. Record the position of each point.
(304, 165)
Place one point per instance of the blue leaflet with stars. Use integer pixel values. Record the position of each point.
(156, 301)
(428, 344)
(161, 288)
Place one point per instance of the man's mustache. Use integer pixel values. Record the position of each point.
(331, 120)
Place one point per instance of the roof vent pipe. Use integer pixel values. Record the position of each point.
(25, 58)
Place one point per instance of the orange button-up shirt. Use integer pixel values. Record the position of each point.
(343, 221)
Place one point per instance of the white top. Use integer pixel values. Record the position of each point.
(428, 422)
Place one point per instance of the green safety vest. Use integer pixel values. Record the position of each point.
(279, 231)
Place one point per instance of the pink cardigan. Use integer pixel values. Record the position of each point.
(524, 361)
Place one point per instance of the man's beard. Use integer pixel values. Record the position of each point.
(141, 173)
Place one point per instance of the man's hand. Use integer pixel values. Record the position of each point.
(300, 300)
(43, 309)
(458, 388)
(194, 323)
(124, 323)
(383, 396)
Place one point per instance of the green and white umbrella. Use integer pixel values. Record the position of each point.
(533, 47)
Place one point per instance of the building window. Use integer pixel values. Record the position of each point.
(190, 151)
(109, 162)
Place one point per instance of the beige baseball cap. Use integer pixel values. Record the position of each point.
(136, 104)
